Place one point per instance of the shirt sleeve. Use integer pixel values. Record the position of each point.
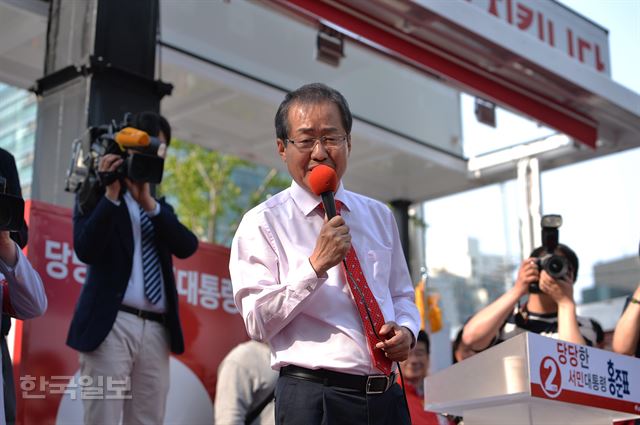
(155, 211)
(266, 300)
(400, 286)
(26, 291)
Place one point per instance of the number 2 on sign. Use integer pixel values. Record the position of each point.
(550, 377)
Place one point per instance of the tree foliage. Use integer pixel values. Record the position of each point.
(204, 185)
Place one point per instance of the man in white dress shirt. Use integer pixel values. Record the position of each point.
(292, 290)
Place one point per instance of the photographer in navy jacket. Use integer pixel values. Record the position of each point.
(126, 319)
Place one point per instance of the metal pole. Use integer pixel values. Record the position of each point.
(100, 63)
(529, 205)
(401, 213)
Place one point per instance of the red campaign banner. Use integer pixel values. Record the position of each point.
(46, 370)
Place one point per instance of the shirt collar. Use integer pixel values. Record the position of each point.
(307, 202)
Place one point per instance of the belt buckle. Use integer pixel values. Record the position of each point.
(141, 314)
(373, 378)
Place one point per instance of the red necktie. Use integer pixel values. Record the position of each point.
(364, 300)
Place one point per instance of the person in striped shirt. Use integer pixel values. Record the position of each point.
(551, 312)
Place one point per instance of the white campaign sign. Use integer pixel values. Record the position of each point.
(583, 375)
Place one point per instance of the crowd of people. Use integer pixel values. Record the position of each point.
(319, 277)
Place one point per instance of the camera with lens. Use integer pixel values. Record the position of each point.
(11, 209)
(138, 149)
(556, 266)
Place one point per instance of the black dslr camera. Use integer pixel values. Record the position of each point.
(555, 265)
(138, 149)
(11, 209)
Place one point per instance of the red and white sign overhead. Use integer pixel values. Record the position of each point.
(554, 25)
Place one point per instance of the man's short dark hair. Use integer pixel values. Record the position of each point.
(311, 94)
(153, 123)
(564, 250)
(423, 337)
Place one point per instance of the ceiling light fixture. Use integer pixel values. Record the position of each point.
(329, 46)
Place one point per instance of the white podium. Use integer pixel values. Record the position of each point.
(531, 379)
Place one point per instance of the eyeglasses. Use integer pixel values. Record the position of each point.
(329, 142)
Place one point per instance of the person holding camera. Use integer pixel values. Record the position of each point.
(126, 320)
(549, 311)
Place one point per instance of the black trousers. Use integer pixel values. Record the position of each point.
(302, 402)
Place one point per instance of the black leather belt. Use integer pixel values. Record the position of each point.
(372, 384)
(147, 315)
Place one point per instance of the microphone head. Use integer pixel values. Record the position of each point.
(323, 179)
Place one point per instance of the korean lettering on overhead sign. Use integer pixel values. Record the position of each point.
(556, 26)
(206, 290)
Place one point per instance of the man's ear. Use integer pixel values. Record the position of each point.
(282, 149)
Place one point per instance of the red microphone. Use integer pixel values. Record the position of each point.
(324, 181)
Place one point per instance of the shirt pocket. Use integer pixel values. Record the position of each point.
(380, 263)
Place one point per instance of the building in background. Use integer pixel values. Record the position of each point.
(18, 113)
(615, 278)
(479, 280)
(18, 109)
